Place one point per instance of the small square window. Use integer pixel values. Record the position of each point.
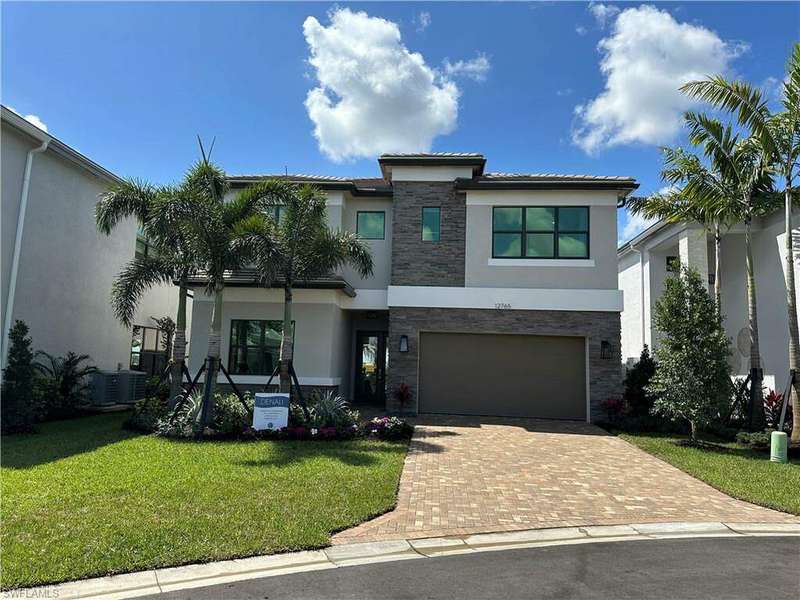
(371, 225)
(431, 222)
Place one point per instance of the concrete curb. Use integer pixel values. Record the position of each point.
(171, 579)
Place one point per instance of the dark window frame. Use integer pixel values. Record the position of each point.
(524, 231)
(422, 224)
(372, 212)
(270, 323)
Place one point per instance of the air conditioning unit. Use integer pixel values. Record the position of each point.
(105, 388)
(132, 386)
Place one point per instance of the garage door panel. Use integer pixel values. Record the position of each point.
(503, 375)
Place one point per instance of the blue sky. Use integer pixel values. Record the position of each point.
(131, 85)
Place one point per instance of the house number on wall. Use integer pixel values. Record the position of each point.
(502, 305)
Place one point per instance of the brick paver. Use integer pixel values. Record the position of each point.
(467, 475)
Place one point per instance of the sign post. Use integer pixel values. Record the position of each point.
(271, 411)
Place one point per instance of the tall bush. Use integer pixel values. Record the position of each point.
(692, 378)
(638, 402)
(18, 398)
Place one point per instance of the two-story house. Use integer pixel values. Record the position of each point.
(493, 294)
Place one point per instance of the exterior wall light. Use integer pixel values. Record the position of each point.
(403, 343)
(605, 349)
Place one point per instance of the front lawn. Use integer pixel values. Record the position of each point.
(731, 468)
(85, 498)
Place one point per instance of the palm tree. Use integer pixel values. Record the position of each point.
(779, 136)
(298, 246)
(172, 259)
(694, 190)
(745, 169)
(213, 223)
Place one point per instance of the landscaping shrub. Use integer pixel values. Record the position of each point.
(157, 387)
(147, 412)
(614, 408)
(757, 439)
(230, 416)
(18, 411)
(64, 384)
(692, 379)
(638, 402)
(773, 405)
(330, 410)
(389, 428)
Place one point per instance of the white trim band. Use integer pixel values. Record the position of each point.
(263, 379)
(505, 298)
(541, 262)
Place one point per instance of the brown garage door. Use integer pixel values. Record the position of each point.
(503, 375)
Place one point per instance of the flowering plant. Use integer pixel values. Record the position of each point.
(389, 428)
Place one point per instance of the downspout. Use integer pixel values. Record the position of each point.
(12, 284)
(641, 291)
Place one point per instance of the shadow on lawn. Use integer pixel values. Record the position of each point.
(57, 440)
(289, 453)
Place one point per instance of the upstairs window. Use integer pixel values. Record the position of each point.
(276, 213)
(371, 224)
(144, 247)
(431, 221)
(540, 232)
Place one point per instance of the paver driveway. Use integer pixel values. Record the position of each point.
(468, 475)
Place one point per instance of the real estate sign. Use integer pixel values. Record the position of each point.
(271, 411)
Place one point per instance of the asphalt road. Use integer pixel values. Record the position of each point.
(702, 568)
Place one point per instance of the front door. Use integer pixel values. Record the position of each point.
(370, 367)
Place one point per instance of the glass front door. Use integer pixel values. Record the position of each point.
(370, 380)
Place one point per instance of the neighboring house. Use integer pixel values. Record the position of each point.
(493, 294)
(57, 269)
(646, 260)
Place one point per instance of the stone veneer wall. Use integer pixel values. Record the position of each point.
(605, 375)
(415, 262)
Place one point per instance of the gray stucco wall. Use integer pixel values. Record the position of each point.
(66, 267)
(381, 249)
(415, 262)
(602, 250)
(604, 374)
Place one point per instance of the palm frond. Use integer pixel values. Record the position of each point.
(737, 97)
(129, 198)
(135, 278)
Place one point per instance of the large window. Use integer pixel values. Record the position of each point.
(149, 349)
(255, 347)
(144, 247)
(540, 232)
(431, 222)
(370, 224)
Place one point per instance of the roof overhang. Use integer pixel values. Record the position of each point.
(56, 145)
(386, 161)
(322, 183)
(623, 187)
(249, 278)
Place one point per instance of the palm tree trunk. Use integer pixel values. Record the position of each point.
(756, 419)
(287, 342)
(178, 346)
(212, 361)
(791, 305)
(718, 268)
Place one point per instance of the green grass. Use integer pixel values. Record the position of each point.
(731, 468)
(84, 498)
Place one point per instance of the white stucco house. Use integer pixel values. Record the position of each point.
(57, 269)
(644, 263)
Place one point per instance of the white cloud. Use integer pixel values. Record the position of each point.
(475, 69)
(603, 13)
(634, 225)
(32, 119)
(373, 94)
(647, 56)
(580, 30)
(422, 20)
